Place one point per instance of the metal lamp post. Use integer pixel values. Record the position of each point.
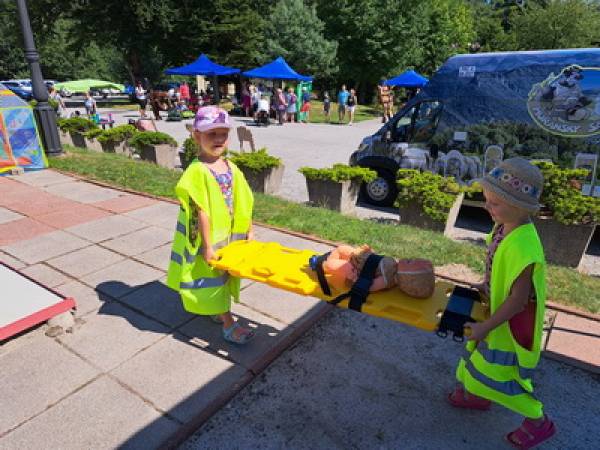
(44, 113)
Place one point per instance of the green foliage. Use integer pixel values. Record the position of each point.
(190, 151)
(93, 133)
(53, 103)
(563, 198)
(339, 173)
(255, 161)
(300, 41)
(434, 193)
(557, 24)
(519, 139)
(76, 124)
(117, 134)
(143, 138)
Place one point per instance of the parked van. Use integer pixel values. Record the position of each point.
(539, 104)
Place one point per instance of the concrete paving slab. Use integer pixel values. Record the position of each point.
(208, 335)
(85, 261)
(87, 300)
(102, 415)
(159, 302)
(72, 216)
(190, 377)
(162, 215)
(46, 275)
(121, 278)
(37, 202)
(16, 193)
(159, 257)
(35, 376)
(22, 229)
(106, 228)
(140, 241)
(43, 178)
(53, 244)
(359, 382)
(284, 306)
(6, 215)
(124, 203)
(13, 262)
(576, 340)
(82, 192)
(113, 335)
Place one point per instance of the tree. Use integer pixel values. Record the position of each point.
(300, 40)
(558, 24)
(449, 30)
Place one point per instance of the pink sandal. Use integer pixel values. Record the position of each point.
(529, 435)
(459, 398)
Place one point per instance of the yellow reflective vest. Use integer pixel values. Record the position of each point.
(498, 368)
(203, 289)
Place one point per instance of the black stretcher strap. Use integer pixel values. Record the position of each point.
(316, 263)
(360, 289)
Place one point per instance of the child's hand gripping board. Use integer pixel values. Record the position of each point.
(289, 269)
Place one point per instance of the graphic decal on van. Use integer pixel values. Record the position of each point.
(568, 104)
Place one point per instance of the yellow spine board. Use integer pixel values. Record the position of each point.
(288, 269)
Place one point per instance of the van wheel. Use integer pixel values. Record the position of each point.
(382, 190)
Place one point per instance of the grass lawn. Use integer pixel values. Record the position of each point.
(566, 286)
(362, 112)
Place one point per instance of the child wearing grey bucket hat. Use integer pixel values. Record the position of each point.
(505, 349)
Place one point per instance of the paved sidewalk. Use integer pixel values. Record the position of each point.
(138, 371)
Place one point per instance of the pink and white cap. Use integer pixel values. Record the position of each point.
(211, 117)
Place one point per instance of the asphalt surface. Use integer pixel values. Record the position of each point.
(355, 381)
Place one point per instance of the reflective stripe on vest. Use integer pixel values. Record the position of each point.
(504, 387)
(190, 258)
(201, 283)
(181, 228)
(503, 358)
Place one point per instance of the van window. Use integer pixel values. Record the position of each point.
(419, 123)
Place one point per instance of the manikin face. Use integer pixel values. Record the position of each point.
(213, 142)
(501, 211)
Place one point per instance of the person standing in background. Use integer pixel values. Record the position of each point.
(342, 99)
(351, 105)
(141, 97)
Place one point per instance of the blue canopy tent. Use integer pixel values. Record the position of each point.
(204, 66)
(409, 79)
(277, 69)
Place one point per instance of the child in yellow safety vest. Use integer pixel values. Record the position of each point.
(216, 208)
(504, 350)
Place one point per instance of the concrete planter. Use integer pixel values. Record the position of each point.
(266, 181)
(78, 139)
(116, 147)
(413, 215)
(564, 245)
(93, 145)
(339, 196)
(65, 138)
(161, 154)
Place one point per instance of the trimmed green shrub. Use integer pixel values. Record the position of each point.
(76, 124)
(117, 134)
(93, 133)
(255, 161)
(434, 193)
(190, 151)
(143, 138)
(562, 195)
(339, 173)
(53, 103)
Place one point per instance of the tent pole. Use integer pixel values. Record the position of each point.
(216, 90)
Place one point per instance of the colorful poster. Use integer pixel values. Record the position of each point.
(568, 104)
